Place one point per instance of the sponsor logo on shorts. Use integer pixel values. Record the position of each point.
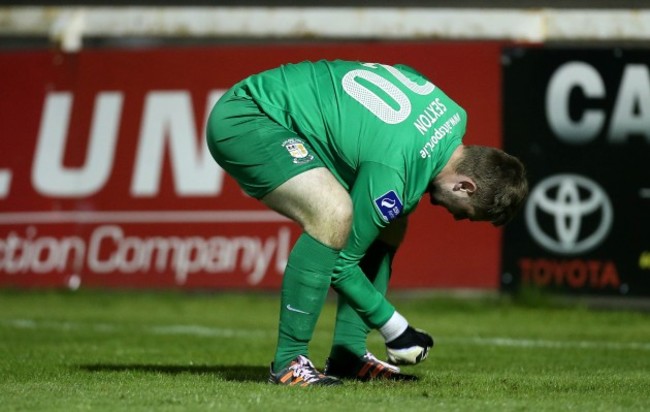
(389, 205)
(297, 150)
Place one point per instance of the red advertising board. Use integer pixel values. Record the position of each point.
(105, 179)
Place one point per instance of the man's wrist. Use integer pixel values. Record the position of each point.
(395, 326)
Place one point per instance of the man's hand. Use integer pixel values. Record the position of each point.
(410, 347)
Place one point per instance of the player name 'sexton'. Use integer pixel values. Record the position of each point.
(438, 134)
(429, 116)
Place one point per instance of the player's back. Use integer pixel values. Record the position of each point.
(352, 112)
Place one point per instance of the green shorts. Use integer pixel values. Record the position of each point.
(256, 151)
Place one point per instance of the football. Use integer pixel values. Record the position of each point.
(407, 356)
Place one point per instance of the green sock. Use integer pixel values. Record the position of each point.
(350, 332)
(304, 289)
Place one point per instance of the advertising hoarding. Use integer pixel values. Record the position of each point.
(105, 179)
(580, 120)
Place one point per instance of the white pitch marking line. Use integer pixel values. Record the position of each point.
(542, 343)
(208, 331)
(198, 330)
(188, 330)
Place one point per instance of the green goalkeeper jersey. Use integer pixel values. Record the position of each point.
(383, 131)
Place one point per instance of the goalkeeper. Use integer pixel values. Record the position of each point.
(347, 150)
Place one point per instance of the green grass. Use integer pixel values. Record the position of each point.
(114, 351)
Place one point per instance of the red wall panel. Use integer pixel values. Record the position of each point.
(104, 178)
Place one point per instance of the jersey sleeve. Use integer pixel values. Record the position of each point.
(378, 199)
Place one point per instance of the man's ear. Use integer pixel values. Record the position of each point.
(465, 184)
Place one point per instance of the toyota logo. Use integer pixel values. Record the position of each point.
(568, 214)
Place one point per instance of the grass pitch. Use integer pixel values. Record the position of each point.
(114, 351)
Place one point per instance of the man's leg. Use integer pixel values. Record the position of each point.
(350, 333)
(323, 208)
(260, 155)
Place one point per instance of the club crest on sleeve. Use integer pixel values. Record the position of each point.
(297, 150)
(389, 205)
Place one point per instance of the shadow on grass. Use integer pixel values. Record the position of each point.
(238, 373)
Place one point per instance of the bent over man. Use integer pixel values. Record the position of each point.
(347, 150)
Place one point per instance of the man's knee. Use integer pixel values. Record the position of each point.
(331, 222)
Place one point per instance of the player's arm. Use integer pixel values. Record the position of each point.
(377, 262)
(394, 233)
(377, 199)
(371, 218)
(372, 183)
(377, 195)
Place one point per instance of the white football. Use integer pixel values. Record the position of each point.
(407, 356)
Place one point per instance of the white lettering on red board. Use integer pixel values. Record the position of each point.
(168, 121)
(109, 249)
(167, 130)
(49, 176)
(167, 124)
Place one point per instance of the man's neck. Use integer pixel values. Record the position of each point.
(449, 169)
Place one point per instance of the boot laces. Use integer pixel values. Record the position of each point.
(306, 370)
